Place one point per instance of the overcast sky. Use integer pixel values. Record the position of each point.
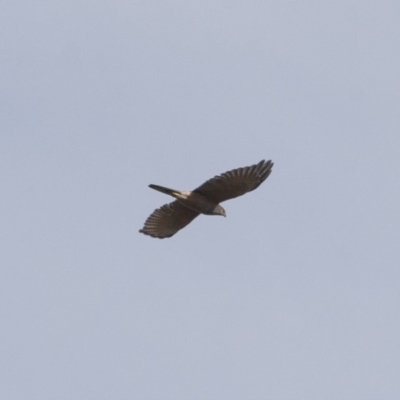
(295, 295)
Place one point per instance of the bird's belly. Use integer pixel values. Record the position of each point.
(199, 203)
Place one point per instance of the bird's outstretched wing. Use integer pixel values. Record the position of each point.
(235, 183)
(168, 219)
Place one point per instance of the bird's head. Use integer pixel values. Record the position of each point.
(218, 210)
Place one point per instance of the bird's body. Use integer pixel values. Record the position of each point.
(170, 218)
(195, 201)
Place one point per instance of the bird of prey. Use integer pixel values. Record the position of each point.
(170, 218)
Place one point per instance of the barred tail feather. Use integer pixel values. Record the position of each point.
(163, 189)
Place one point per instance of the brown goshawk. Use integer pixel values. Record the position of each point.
(170, 218)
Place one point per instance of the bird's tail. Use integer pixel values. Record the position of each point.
(165, 190)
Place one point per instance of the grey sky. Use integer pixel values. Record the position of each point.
(295, 295)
